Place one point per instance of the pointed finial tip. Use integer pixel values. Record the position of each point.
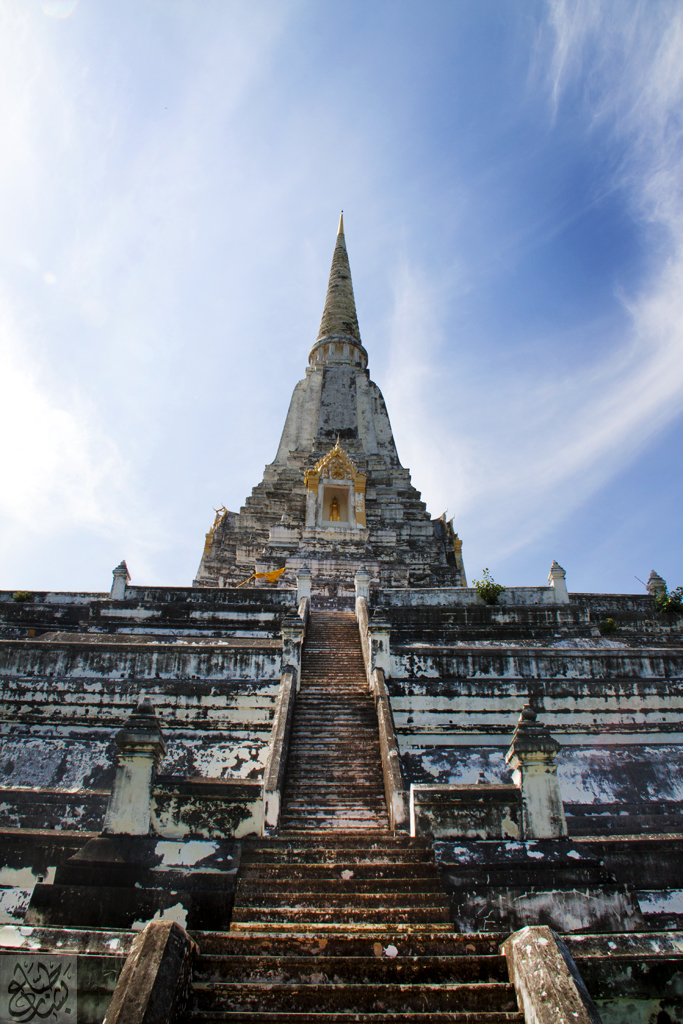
(340, 229)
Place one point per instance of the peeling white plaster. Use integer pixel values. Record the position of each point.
(14, 904)
(654, 901)
(184, 854)
(13, 937)
(24, 878)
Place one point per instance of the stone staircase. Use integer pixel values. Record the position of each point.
(334, 771)
(337, 919)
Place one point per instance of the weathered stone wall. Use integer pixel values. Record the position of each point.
(441, 691)
(461, 671)
(61, 703)
(163, 611)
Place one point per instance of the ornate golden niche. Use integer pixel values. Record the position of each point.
(335, 468)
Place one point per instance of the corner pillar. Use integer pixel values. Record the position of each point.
(533, 759)
(656, 586)
(120, 582)
(557, 579)
(141, 745)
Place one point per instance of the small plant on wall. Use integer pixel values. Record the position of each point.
(608, 626)
(22, 595)
(487, 589)
(670, 602)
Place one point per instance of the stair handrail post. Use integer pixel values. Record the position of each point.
(379, 629)
(304, 610)
(533, 758)
(361, 583)
(303, 584)
(547, 981)
(155, 980)
(363, 617)
(292, 631)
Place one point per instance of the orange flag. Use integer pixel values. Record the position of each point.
(270, 576)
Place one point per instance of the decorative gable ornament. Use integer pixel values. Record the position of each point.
(336, 474)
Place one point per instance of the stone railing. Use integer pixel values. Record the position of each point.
(274, 774)
(293, 634)
(374, 638)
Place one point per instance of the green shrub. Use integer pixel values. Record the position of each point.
(608, 626)
(487, 589)
(670, 602)
(22, 595)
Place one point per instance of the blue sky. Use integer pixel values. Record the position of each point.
(170, 181)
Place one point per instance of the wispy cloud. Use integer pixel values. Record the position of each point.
(516, 461)
(54, 464)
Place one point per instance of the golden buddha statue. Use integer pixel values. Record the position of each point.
(335, 516)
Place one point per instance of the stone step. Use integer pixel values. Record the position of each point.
(256, 1017)
(324, 928)
(343, 751)
(329, 770)
(344, 850)
(323, 815)
(308, 726)
(314, 749)
(325, 970)
(339, 824)
(317, 738)
(347, 768)
(326, 792)
(323, 802)
(379, 873)
(373, 864)
(340, 941)
(253, 882)
(363, 784)
(345, 755)
(330, 786)
(373, 790)
(385, 915)
(272, 899)
(327, 789)
(350, 998)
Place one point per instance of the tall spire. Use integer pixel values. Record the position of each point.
(339, 315)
